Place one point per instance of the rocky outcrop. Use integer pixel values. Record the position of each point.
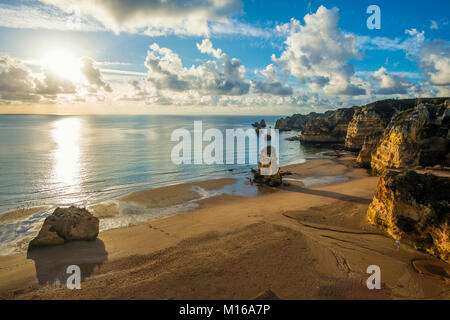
(415, 209)
(273, 180)
(295, 122)
(372, 119)
(366, 128)
(415, 137)
(328, 128)
(368, 148)
(66, 224)
(268, 172)
(259, 125)
(366, 123)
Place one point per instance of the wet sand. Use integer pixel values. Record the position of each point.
(157, 198)
(299, 242)
(21, 213)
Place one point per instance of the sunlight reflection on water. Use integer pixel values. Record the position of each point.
(67, 154)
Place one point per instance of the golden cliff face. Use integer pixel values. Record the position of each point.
(415, 137)
(368, 148)
(414, 208)
(365, 123)
(370, 120)
(328, 128)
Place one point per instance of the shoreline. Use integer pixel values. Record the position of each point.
(136, 206)
(300, 242)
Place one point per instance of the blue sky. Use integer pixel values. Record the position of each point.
(231, 56)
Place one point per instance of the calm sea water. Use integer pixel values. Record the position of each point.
(80, 160)
(83, 160)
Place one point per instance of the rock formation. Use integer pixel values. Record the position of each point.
(328, 128)
(415, 137)
(268, 172)
(295, 122)
(368, 124)
(415, 209)
(372, 119)
(273, 180)
(368, 148)
(361, 132)
(67, 224)
(259, 125)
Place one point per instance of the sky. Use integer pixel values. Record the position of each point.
(218, 56)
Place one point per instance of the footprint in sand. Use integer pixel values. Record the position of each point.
(160, 230)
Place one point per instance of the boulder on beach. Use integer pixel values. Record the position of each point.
(65, 225)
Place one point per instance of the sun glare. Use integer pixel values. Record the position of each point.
(63, 64)
(67, 154)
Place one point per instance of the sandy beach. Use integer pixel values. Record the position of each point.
(306, 240)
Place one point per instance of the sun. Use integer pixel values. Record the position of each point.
(62, 63)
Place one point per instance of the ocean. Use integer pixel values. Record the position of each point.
(80, 160)
(62, 160)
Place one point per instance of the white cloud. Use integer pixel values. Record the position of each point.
(389, 84)
(434, 25)
(207, 47)
(435, 62)
(405, 74)
(166, 72)
(270, 84)
(93, 74)
(19, 84)
(156, 17)
(411, 45)
(318, 53)
(16, 81)
(234, 27)
(43, 17)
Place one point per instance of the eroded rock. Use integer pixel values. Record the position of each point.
(415, 137)
(67, 224)
(328, 128)
(268, 172)
(414, 208)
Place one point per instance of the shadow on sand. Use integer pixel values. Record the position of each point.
(328, 194)
(51, 263)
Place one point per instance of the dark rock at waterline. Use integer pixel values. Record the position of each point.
(268, 172)
(259, 125)
(65, 225)
(294, 138)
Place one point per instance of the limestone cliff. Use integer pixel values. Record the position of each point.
(366, 128)
(415, 209)
(372, 119)
(415, 137)
(295, 122)
(368, 148)
(328, 128)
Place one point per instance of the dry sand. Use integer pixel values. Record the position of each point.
(296, 243)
